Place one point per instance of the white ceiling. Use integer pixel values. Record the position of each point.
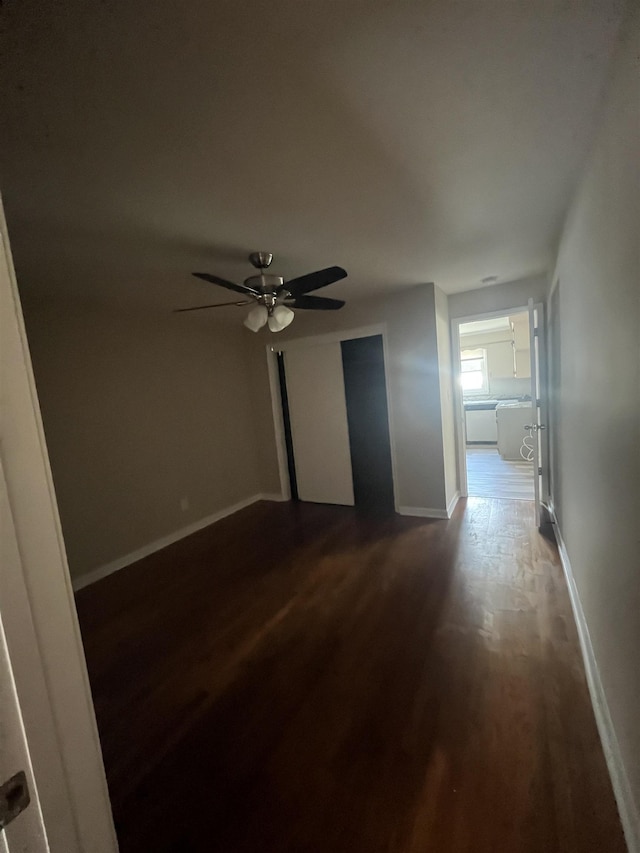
(407, 141)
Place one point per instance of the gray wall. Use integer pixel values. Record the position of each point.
(139, 412)
(596, 477)
(499, 297)
(413, 379)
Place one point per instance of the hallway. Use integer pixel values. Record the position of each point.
(307, 678)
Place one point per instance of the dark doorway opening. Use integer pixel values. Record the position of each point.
(291, 462)
(368, 420)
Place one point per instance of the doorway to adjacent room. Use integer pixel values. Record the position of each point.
(497, 386)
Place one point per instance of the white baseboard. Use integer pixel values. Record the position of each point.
(627, 807)
(428, 512)
(272, 496)
(453, 503)
(422, 512)
(121, 562)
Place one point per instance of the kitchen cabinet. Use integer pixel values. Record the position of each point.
(523, 364)
(500, 360)
(481, 426)
(521, 344)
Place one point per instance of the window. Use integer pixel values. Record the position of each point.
(473, 370)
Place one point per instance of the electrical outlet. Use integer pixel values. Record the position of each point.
(184, 504)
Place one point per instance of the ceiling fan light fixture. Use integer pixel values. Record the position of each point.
(271, 291)
(256, 318)
(280, 318)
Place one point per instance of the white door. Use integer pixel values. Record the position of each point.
(25, 832)
(47, 724)
(538, 405)
(319, 427)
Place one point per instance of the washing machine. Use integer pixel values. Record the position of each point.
(511, 419)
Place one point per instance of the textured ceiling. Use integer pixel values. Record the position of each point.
(406, 141)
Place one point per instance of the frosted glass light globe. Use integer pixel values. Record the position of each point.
(256, 318)
(280, 318)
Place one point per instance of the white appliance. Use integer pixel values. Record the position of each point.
(511, 419)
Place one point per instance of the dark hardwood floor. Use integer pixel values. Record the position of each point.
(306, 679)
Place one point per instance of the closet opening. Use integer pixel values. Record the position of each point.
(335, 421)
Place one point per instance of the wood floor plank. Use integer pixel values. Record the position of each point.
(308, 678)
(491, 476)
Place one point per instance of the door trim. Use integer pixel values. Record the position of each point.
(276, 402)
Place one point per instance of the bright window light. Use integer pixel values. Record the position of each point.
(473, 370)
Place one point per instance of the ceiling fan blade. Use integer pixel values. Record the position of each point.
(214, 279)
(314, 280)
(317, 303)
(216, 305)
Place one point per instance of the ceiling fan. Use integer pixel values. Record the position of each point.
(273, 297)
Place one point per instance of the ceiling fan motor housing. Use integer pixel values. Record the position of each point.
(267, 286)
(265, 283)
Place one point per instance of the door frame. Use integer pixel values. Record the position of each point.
(276, 401)
(543, 408)
(39, 617)
(551, 321)
(460, 431)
